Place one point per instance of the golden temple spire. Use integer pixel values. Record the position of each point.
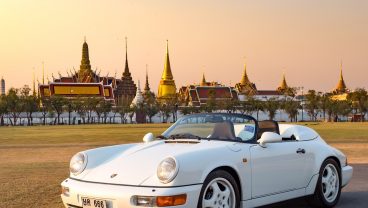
(341, 87)
(167, 74)
(167, 87)
(283, 85)
(245, 79)
(203, 82)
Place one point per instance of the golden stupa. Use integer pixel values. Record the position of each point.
(283, 85)
(340, 87)
(245, 80)
(245, 86)
(167, 87)
(203, 82)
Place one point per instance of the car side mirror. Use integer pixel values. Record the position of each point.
(148, 138)
(269, 137)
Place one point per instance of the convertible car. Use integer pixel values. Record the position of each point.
(210, 160)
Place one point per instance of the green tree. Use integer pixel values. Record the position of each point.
(312, 103)
(343, 108)
(80, 108)
(359, 98)
(57, 103)
(123, 108)
(291, 107)
(210, 105)
(3, 109)
(271, 106)
(30, 103)
(103, 108)
(45, 108)
(90, 105)
(229, 105)
(14, 105)
(164, 111)
(69, 107)
(324, 102)
(150, 108)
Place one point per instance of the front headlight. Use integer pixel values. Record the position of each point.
(78, 163)
(167, 170)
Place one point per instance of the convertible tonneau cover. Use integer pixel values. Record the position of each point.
(301, 133)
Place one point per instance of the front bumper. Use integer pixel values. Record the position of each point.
(119, 196)
(346, 175)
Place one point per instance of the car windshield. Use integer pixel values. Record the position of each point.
(231, 127)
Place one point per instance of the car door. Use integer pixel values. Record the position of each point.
(277, 168)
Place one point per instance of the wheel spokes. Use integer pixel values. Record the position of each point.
(219, 193)
(330, 183)
(209, 202)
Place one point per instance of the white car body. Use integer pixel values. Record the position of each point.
(266, 174)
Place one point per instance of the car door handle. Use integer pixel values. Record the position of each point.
(300, 151)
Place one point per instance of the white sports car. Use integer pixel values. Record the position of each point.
(210, 160)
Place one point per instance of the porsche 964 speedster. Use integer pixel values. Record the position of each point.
(210, 160)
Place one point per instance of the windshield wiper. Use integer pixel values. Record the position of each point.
(184, 136)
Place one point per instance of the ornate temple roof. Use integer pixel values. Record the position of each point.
(245, 86)
(126, 88)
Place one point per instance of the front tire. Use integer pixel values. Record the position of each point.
(328, 188)
(219, 190)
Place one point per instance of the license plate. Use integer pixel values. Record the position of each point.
(93, 203)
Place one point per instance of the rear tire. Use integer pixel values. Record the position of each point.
(219, 190)
(328, 188)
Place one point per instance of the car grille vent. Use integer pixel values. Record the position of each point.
(182, 142)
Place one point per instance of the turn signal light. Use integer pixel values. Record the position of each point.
(65, 191)
(165, 201)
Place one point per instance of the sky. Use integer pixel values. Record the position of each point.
(305, 39)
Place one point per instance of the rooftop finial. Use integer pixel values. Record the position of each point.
(126, 69)
(167, 46)
(146, 87)
(341, 77)
(126, 43)
(85, 39)
(43, 72)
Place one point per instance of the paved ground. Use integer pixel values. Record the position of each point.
(354, 195)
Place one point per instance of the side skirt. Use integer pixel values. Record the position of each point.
(274, 198)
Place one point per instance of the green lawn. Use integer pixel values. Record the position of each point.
(34, 160)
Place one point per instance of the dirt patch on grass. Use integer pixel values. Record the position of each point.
(356, 152)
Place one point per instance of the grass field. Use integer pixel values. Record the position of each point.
(34, 160)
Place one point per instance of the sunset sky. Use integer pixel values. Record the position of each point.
(306, 39)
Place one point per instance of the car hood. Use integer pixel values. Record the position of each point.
(138, 163)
